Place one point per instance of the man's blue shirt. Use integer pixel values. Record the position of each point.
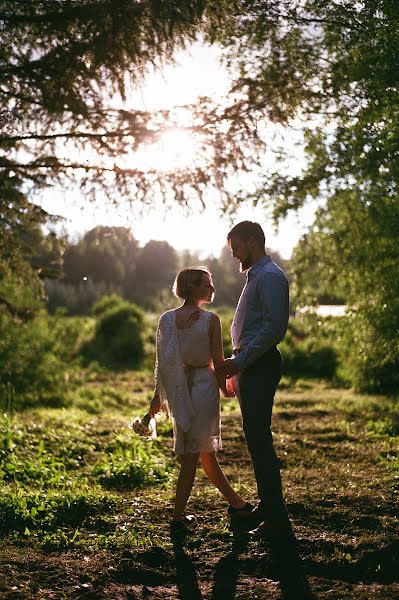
(261, 318)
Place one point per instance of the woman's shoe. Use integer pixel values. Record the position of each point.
(187, 524)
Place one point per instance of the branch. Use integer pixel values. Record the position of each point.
(60, 166)
(69, 134)
(72, 13)
(21, 313)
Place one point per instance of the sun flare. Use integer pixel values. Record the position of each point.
(175, 149)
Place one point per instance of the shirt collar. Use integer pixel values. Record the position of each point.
(252, 271)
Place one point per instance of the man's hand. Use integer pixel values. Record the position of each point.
(155, 406)
(227, 369)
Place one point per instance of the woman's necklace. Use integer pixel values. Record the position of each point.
(194, 316)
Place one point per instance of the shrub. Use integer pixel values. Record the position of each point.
(119, 335)
(29, 364)
(312, 347)
(105, 303)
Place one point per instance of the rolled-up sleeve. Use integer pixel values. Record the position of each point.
(273, 297)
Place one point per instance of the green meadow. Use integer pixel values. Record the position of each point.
(85, 503)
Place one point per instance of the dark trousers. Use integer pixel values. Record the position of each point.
(258, 384)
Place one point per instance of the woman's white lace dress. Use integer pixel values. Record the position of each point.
(187, 384)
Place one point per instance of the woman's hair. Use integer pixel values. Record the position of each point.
(188, 278)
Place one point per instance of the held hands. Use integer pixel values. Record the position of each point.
(227, 369)
(227, 388)
(224, 372)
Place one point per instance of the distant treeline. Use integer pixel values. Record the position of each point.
(109, 260)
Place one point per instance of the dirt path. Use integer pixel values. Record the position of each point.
(342, 498)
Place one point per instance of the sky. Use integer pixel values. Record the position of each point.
(198, 72)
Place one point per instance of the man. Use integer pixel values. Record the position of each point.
(259, 324)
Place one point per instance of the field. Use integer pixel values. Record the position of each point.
(85, 504)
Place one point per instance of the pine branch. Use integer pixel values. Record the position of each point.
(21, 313)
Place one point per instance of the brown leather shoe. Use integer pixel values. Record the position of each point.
(245, 520)
(272, 530)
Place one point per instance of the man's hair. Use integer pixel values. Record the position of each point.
(188, 278)
(246, 230)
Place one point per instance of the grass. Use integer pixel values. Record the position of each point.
(85, 504)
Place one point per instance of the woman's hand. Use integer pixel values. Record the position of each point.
(231, 392)
(155, 406)
(227, 388)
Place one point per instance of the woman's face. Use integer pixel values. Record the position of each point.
(204, 291)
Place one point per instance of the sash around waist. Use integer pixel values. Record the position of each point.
(189, 372)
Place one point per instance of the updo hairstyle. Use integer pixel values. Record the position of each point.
(188, 278)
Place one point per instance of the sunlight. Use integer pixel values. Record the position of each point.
(175, 149)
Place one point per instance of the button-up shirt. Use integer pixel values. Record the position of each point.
(261, 318)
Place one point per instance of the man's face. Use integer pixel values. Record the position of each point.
(241, 250)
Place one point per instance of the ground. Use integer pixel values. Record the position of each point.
(338, 453)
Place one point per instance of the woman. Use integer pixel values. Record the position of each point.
(189, 349)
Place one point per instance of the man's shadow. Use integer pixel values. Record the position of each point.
(282, 562)
(288, 568)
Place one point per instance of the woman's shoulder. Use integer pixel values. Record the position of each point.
(213, 317)
(167, 316)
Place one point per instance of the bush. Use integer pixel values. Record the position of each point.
(312, 347)
(105, 303)
(308, 358)
(119, 334)
(372, 348)
(30, 369)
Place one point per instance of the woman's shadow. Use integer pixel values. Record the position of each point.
(186, 574)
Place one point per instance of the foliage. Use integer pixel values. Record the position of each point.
(74, 299)
(67, 70)
(104, 254)
(130, 465)
(105, 303)
(29, 363)
(311, 357)
(359, 260)
(331, 66)
(156, 270)
(118, 339)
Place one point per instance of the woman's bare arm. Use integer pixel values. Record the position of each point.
(215, 333)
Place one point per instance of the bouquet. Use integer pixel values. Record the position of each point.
(144, 427)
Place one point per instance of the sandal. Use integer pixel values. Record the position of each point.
(188, 523)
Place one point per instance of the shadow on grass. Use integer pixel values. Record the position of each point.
(281, 561)
(186, 575)
(288, 568)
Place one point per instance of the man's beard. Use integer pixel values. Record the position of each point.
(245, 264)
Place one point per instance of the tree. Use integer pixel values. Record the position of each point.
(333, 67)
(104, 254)
(66, 69)
(156, 270)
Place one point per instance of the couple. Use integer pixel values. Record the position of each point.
(190, 369)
